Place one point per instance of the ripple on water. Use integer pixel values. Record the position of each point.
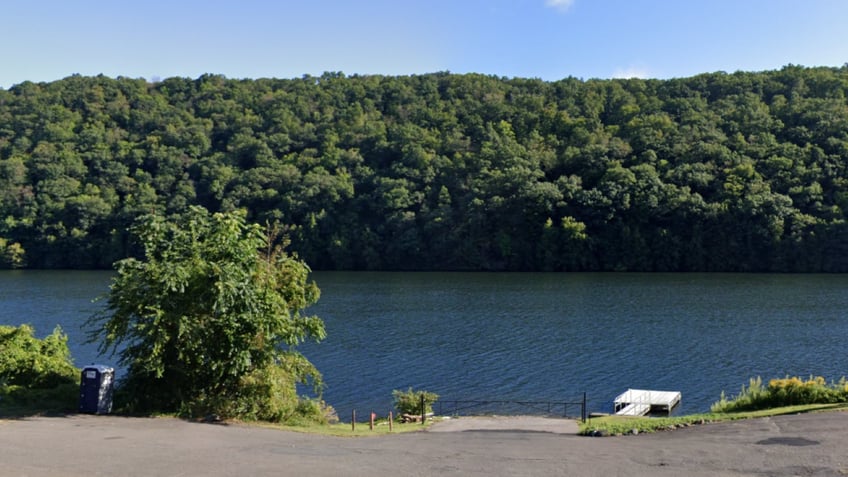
(527, 336)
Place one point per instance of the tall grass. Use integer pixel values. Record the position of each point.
(788, 391)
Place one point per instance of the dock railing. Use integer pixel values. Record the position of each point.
(640, 402)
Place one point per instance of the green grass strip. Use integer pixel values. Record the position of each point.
(622, 425)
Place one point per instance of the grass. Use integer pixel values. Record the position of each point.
(604, 426)
(620, 425)
(17, 403)
(63, 401)
(381, 428)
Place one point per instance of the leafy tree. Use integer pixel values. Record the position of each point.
(12, 255)
(208, 320)
(717, 172)
(409, 401)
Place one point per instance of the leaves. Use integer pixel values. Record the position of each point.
(33, 363)
(213, 301)
(439, 171)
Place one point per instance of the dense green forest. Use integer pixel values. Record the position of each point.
(717, 172)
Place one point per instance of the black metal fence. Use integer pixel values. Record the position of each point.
(564, 409)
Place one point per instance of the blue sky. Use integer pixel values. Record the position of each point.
(45, 40)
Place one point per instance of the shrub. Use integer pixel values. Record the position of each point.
(788, 391)
(266, 394)
(36, 372)
(313, 411)
(409, 401)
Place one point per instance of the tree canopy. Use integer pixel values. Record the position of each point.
(717, 172)
(208, 320)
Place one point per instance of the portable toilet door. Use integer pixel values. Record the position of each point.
(96, 389)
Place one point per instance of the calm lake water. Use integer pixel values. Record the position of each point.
(526, 336)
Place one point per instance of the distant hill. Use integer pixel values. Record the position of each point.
(717, 172)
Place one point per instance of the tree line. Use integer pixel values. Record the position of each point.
(716, 172)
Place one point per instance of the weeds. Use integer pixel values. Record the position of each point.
(789, 391)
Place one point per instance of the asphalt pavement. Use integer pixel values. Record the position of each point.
(85, 445)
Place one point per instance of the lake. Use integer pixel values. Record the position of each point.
(526, 336)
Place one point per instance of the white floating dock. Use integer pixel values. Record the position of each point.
(639, 402)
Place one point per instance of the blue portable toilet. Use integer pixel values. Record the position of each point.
(96, 385)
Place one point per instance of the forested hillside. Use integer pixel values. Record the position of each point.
(718, 172)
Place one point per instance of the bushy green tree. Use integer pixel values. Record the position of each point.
(207, 321)
(36, 372)
(409, 401)
(12, 255)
